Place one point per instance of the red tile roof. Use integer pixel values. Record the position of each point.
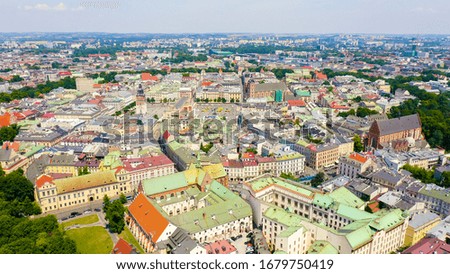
(148, 217)
(132, 164)
(64, 73)
(358, 157)
(122, 247)
(220, 247)
(48, 115)
(296, 103)
(148, 77)
(166, 135)
(41, 180)
(429, 246)
(11, 145)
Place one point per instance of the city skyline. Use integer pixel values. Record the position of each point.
(199, 16)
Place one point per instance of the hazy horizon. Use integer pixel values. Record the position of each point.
(382, 17)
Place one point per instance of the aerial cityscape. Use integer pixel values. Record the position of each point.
(223, 142)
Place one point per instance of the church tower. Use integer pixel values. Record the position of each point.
(141, 101)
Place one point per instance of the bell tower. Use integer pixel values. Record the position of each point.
(141, 101)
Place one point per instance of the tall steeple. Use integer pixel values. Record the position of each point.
(141, 101)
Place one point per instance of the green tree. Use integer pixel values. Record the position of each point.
(114, 214)
(358, 145)
(122, 198)
(16, 78)
(318, 179)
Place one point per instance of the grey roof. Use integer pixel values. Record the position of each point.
(5, 155)
(390, 177)
(398, 124)
(442, 230)
(180, 242)
(270, 86)
(421, 219)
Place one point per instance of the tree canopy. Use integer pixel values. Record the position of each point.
(20, 234)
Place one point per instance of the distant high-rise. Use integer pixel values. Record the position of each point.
(141, 102)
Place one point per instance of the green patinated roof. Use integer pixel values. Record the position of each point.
(322, 200)
(280, 252)
(268, 181)
(112, 157)
(438, 194)
(360, 237)
(354, 213)
(388, 220)
(290, 230)
(223, 208)
(344, 196)
(30, 151)
(281, 216)
(303, 93)
(322, 247)
(164, 183)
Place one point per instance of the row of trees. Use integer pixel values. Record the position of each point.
(29, 92)
(182, 57)
(360, 112)
(427, 176)
(20, 234)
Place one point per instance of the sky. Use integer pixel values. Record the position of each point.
(227, 16)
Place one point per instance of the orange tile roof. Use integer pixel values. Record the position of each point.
(148, 217)
(358, 157)
(5, 119)
(11, 145)
(296, 103)
(41, 180)
(122, 247)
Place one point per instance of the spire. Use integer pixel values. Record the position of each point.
(198, 163)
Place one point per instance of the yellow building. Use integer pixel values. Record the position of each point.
(74, 192)
(419, 225)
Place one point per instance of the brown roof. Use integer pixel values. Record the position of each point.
(394, 125)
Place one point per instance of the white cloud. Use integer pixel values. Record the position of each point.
(45, 7)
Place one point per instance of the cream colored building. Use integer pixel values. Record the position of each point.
(70, 193)
(294, 216)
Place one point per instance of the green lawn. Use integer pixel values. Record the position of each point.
(127, 236)
(91, 240)
(81, 221)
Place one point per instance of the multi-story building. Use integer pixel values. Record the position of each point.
(436, 198)
(294, 217)
(419, 225)
(193, 201)
(249, 168)
(354, 164)
(74, 192)
(139, 169)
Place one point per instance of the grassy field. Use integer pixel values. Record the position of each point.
(127, 236)
(81, 221)
(91, 240)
